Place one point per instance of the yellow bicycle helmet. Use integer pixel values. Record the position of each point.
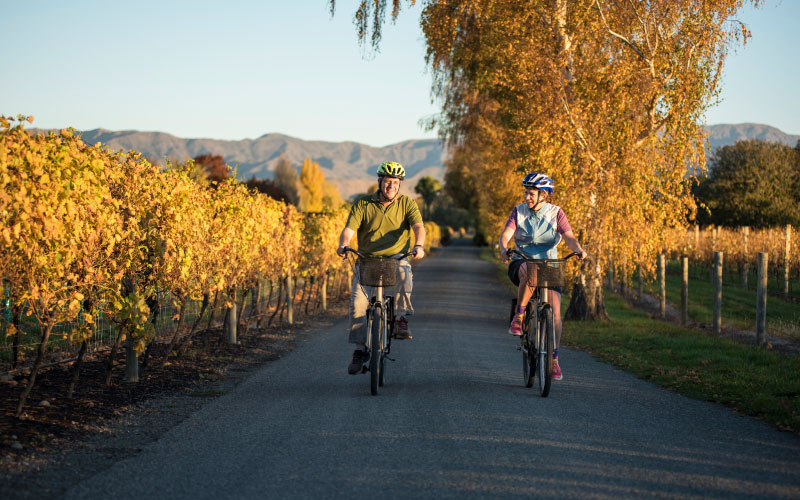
(391, 169)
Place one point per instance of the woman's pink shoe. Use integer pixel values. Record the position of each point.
(557, 371)
(516, 325)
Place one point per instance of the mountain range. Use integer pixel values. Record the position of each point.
(349, 165)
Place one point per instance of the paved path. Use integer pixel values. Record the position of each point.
(454, 421)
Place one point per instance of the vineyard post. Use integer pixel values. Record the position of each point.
(662, 287)
(786, 261)
(641, 282)
(713, 250)
(610, 274)
(746, 259)
(684, 290)
(761, 298)
(289, 299)
(324, 291)
(231, 320)
(718, 292)
(623, 282)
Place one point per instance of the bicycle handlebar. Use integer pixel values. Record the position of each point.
(401, 257)
(512, 251)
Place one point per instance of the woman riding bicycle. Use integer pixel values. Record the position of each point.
(537, 227)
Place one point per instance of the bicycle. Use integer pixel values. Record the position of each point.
(538, 338)
(378, 272)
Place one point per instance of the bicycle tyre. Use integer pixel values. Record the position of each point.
(546, 346)
(529, 350)
(384, 349)
(376, 352)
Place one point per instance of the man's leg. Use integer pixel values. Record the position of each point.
(358, 325)
(402, 299)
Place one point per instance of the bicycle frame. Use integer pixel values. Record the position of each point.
(380, 309)
(537, 341)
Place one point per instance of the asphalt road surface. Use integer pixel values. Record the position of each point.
(453, 421)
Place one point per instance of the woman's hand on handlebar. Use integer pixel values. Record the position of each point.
(504, 255)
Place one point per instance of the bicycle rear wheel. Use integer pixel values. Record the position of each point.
(546, 346)
(376, 354)
(529, 349)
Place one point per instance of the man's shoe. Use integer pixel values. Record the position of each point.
(359, 359)
(403, 333)
(557, 371)
(516, 325)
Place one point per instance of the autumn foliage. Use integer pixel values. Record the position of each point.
(81, 226)
(604, 96)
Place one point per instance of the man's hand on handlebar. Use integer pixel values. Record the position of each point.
(341, 252)
(419, 252)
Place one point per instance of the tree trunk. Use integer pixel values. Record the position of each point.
(187, 340)
(240, 309)
(278, 302)
(15, 310)
(177, 331)
(40, 354)
(211, 314)
(152, 303)
(263, 316)
(586, 302)
(310, 285)
(114, 347)
(76, 371)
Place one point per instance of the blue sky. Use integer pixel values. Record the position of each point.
(240, 69)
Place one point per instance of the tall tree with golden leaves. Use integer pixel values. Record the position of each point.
(604, 96)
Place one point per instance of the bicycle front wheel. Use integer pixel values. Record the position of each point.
(376, 354)
(384, 351)
(547, 340)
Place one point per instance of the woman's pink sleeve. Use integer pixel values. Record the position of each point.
(563, 223)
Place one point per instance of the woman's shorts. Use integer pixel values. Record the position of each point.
(513, 273)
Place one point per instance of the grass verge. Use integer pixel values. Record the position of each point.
(690, 362)
(738, 304)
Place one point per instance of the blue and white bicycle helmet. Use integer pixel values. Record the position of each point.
(539, 181)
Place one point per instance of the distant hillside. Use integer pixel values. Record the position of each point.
(724, 134)
(349, 165)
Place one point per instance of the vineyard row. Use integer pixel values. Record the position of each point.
(86, 232)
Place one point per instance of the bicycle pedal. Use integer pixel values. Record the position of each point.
(387, 357)
(519, 348)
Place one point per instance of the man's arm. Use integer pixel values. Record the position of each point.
(419, 237)
(344, 240)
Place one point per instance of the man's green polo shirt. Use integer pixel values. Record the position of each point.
(383, 231)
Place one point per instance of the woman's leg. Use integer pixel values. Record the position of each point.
(524, 292)
(554, 298)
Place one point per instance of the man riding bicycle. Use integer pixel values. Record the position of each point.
(382, 222)
(537, 227)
